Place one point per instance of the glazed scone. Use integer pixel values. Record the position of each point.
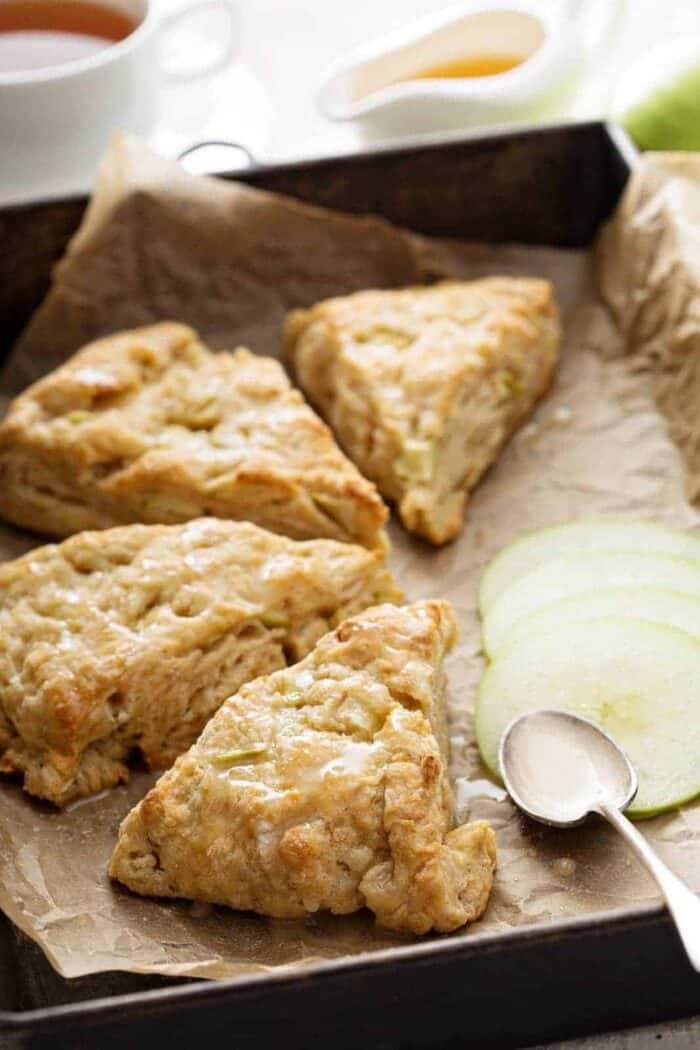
(423, 386)
(129, 639)
(150, 426)
(323, 786)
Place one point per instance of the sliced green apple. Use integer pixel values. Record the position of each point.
(637, 680)
(587, 536)
(569, 577)
(654, 604)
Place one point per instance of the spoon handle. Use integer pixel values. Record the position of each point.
(683, 904)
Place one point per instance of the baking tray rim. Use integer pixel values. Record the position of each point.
(206, 989)
(391, 148)
(202, 990)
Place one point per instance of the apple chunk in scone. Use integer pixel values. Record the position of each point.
(424, 386)
(323, 786)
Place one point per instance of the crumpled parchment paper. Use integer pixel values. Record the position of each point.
(158, 243)
(648, 264)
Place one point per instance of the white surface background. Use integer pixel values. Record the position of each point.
(266, 98)
(685, 1035)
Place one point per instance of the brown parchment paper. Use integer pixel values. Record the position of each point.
(159, 243)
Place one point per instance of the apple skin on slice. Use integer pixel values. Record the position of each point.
(586, 536)
(637, 680)
(578, 575)
(653, 604)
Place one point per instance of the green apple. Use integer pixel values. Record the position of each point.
(582, 537)
(658, 99)
(583, 574)
(637, 680)
(654, 604)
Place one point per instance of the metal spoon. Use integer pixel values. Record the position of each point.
(558, 768)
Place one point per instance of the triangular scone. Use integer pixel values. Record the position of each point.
(131, 638)
(324, 786)
(150, 426)
(423, 386)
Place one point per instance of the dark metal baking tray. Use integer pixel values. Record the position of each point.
(548, 186)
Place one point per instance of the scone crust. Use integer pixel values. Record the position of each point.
(323, 786)
(132, 637)
(151, 426)
(424, 386)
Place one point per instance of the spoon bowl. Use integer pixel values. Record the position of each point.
(559, 767)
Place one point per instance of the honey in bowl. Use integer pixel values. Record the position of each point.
(36, 34)
(473, 66)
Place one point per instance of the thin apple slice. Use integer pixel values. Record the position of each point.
(587, 536)
(654, 604)
(637, 680)
(569, 577)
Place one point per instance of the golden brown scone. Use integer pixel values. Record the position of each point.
(323, 786)
(131, 638)
(424, 386)
(150, 426)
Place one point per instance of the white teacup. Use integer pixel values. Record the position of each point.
(61, 117)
